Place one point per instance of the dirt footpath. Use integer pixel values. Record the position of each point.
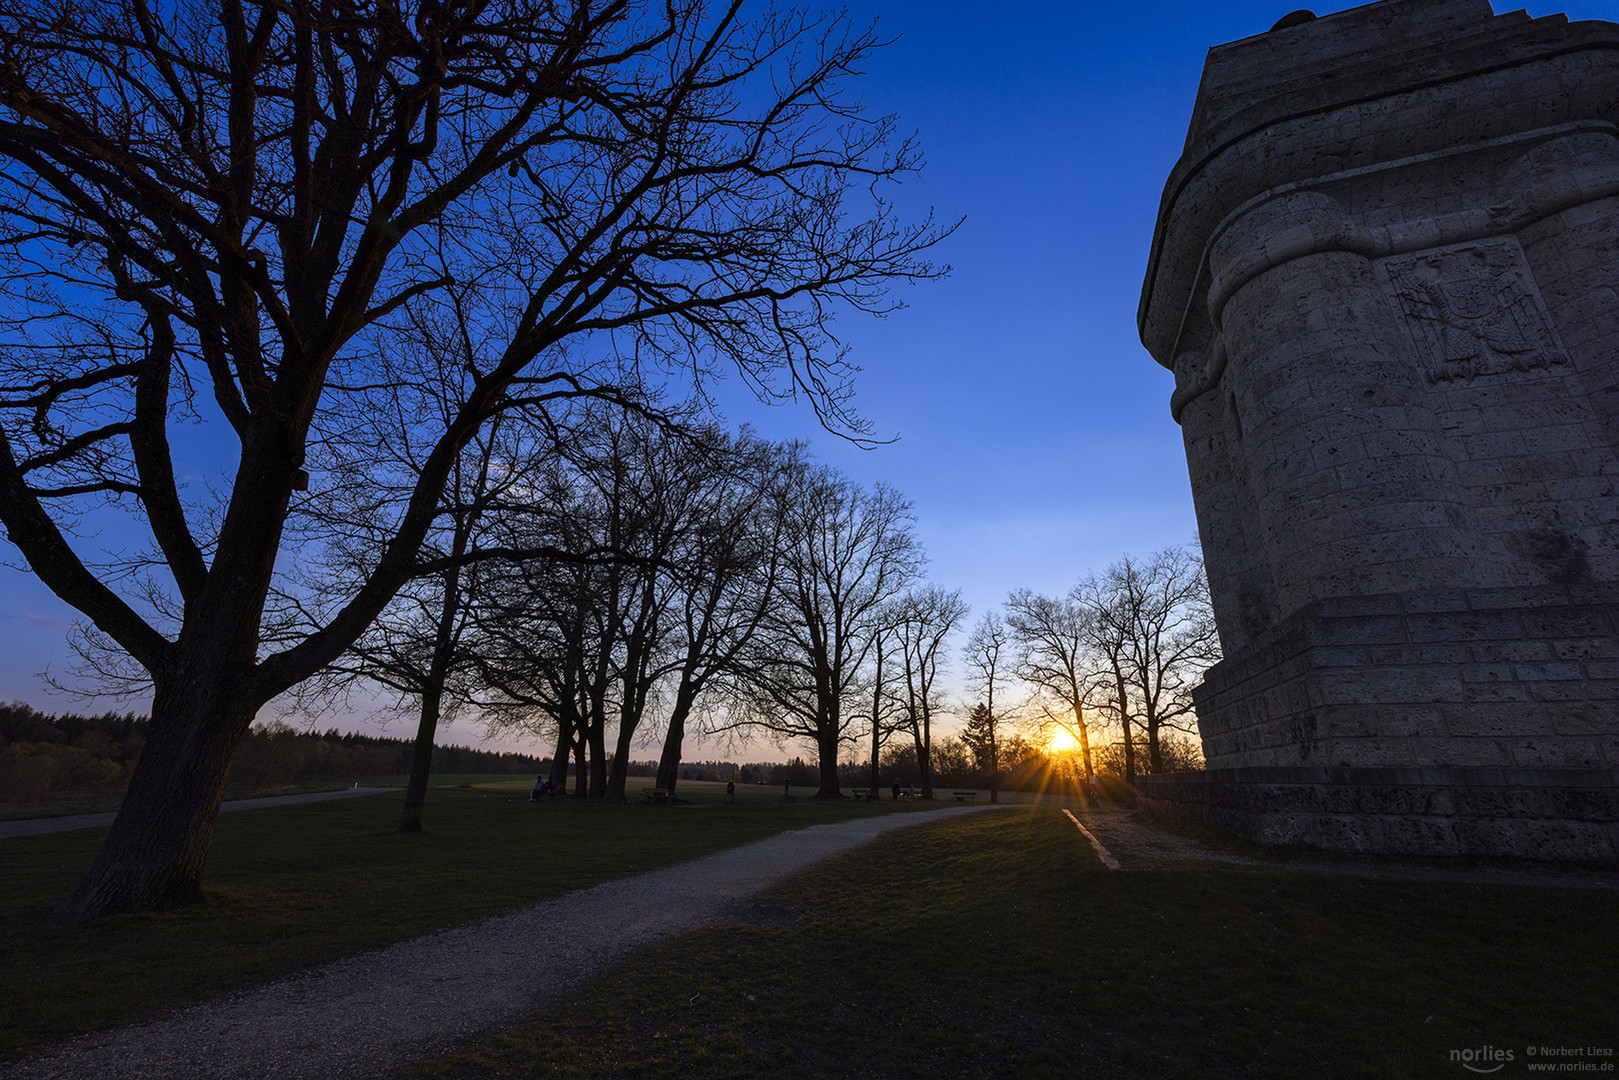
(368, 1015)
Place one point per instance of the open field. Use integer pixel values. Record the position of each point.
(997, 945)
(297, 885)
(105, 802)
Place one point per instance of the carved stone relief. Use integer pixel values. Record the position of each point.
(1474, 309)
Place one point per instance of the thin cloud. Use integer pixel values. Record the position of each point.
(49, 624)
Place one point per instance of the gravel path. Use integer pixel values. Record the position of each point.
(370, 1014)
(68, 822)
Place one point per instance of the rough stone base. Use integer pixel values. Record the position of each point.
(1522, 678)
(1556, 814)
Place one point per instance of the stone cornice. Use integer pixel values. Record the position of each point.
(1195, 376)
(1230, 143)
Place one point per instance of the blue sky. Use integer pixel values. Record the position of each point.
(1034, 434)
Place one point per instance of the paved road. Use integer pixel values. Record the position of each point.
(365, 1017)
(39, 826)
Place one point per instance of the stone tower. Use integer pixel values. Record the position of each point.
(1384, 275)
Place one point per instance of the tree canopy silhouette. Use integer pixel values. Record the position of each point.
(216, 221)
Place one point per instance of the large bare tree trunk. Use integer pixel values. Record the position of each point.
(994, 765)
(1129, 750)
(1085, 755)
(598, 762)
(669, 760)
(994, 752)
(674, 738)
(876, 711)
(421, 754)
(581, 770)
(826, 745)
(924, 755)
(153, 856)
(875, 746)
(421, 762)
(1129, 738)
(559, 759)
(618, 773)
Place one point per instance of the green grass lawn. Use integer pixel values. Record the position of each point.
(104, 802)
(108, 801)
(996, 946)
(297, 885)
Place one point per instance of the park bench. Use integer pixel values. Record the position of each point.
(863, 794)
(964, 796)
(656, 794)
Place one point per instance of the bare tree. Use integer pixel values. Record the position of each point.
(1162, 616)
(224, 212)
(567, 640)
(666, 568)
(1107, 626)
(927, 619)
(701, 564)
(1054, 654)
(887, 707)
(725, 576)
(986, 655)
(415, 646)
(648, 483)
(846, 551)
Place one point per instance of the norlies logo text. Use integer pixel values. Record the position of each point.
(1476, 1060)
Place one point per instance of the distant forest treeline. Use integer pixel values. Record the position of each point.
(43, 756)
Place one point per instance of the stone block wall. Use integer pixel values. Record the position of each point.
(1384, 276)
(1520, 678)
(1542, 814)
(1411, 421)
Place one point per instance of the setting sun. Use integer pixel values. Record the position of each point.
(1060, 742)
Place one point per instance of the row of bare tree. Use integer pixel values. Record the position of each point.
(656, 568)
(636, 557)
(1118, 653)
(328, 340)
(252, 252)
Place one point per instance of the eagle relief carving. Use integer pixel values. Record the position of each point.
(1474, 310)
